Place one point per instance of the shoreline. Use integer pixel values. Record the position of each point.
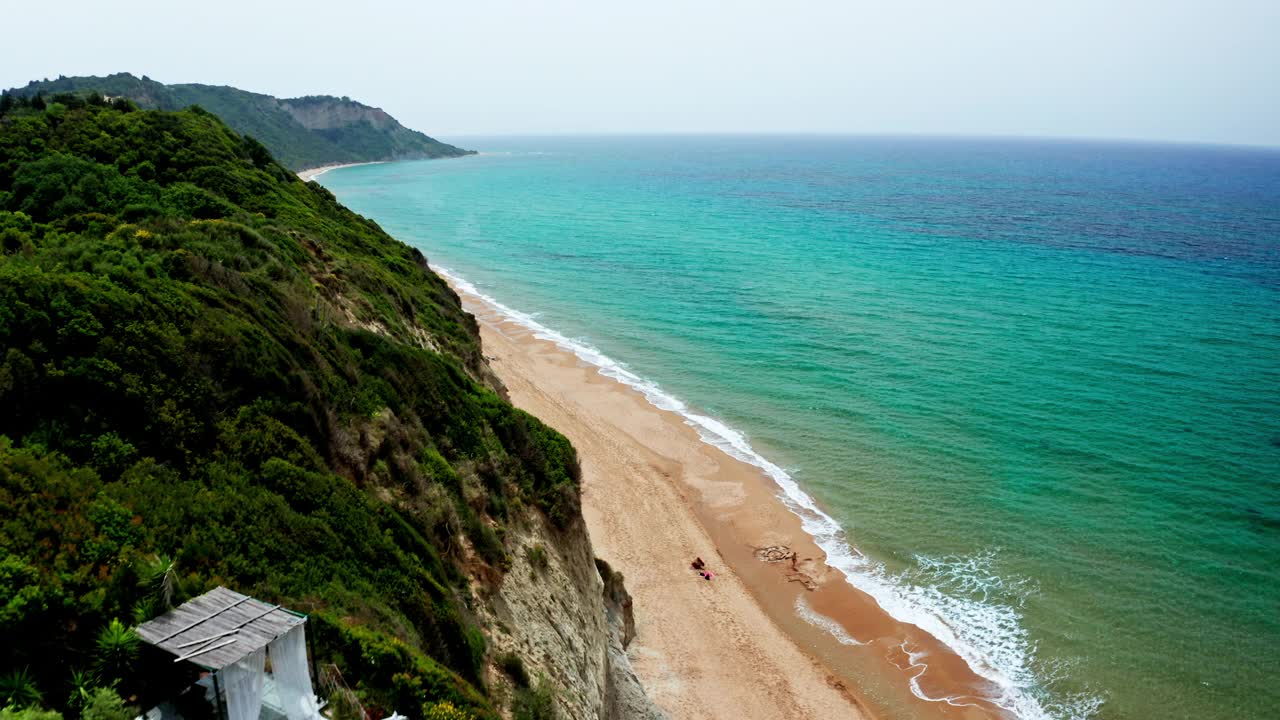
(802, 640)
(310, 174)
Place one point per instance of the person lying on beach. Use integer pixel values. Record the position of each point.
(698, 564)
(707, 575)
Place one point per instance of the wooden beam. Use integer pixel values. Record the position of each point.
(259, 616)
(204, 650)
(204, 640)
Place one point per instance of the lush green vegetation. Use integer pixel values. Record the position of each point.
(272, 121)
(213, 373)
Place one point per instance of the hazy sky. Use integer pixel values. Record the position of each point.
(1154, 69)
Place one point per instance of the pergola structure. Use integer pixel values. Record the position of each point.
(231, 635)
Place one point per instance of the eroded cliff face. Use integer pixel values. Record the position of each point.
(368, 132)
(568, 616)
(565, 613)
(330, 113)
(625, 696)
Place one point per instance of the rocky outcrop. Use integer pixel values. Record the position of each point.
(625, 697)
(368, 131)
(327, 113)
(568, 618)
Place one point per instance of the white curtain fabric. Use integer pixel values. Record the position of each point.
(243, 683)
(293, 679)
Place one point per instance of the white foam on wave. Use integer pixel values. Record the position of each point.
(987, 634)
(817, 619)
(915, 661)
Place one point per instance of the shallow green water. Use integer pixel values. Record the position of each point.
(1036, 384)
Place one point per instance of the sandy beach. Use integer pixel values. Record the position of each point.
(654, 497)
(313, 173)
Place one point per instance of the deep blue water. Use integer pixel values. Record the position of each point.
(1037, 383)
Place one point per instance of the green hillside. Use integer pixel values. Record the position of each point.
(213, 373)
(300, 133)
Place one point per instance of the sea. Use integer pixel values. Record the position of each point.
(1031, 386)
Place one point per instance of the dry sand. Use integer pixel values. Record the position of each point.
(654, 497)
(313, 173)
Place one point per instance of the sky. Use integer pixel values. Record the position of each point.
(1203, 71)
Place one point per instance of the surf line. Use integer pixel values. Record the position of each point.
(1004, 662)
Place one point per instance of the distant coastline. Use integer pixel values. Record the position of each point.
(310, 174)
(300, 132)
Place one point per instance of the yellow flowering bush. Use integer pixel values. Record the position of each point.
(444, 710)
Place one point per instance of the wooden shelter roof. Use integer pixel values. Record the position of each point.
(218, 628)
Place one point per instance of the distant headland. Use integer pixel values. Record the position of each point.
(301, 133)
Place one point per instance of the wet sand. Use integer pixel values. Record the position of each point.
(654, 497)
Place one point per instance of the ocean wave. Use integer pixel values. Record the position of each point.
(817, 619)
(951, 598)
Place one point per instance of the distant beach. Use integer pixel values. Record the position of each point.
(313, 173)
(777, 633)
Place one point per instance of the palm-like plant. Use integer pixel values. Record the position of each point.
(18, 688)
(158, 576)
(168, 579)
(117, 649)
(82, 681)
(144, 610)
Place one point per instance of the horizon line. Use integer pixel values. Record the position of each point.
(1105, 139)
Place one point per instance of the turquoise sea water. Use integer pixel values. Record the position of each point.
(1036, 383)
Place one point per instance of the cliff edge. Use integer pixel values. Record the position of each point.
(213, 373)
